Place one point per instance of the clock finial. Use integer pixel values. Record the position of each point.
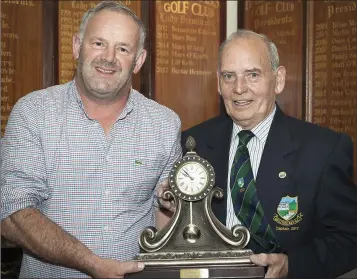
(190, 144)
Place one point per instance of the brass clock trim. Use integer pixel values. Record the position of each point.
(205, 165)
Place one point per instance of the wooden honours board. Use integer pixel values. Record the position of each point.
(69, 19)
(282, 22)
(185, 59)
(317, 43)
(332, 60)
(21, 52)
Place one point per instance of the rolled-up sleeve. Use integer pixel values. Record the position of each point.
(23, 172)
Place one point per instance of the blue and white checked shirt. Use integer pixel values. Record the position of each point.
(100, 189)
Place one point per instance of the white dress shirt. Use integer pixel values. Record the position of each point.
(255, 148)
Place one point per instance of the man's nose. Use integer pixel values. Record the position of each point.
(109, 54)
(240, 85)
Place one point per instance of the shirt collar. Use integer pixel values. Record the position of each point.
(127, 109)
(261, 130)
(129, 104)
(74, 92)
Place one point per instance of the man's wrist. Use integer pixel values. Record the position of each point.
(91, 264)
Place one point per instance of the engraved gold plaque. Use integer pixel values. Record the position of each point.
(194, 273)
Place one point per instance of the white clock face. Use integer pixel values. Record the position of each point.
(191, 178)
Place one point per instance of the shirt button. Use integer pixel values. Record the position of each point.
(109, 158)
(107, 192)
(106, 228)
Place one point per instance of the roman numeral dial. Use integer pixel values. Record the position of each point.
(191, 178)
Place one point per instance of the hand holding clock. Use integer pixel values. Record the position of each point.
(163, 202)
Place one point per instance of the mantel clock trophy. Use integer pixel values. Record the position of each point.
(195, 244)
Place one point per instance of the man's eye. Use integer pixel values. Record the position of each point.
(228, 76)
(98, 44)
(252, 76)
(121, 49)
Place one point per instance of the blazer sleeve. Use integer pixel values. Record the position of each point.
(334, 252)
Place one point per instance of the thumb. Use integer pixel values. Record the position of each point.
(259, 259)
(165, 183)
(159, 191)
(130, 267)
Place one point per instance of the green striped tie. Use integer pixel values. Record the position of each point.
(244, 194)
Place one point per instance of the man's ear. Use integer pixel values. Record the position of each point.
(76, 46)
(218, 87)
(139, 61)
(280, 80)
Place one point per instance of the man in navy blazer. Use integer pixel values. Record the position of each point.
(294, 162)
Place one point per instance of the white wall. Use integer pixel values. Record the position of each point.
(232, 14)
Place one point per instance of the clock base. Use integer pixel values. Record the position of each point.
(198, 264)
(200, 271)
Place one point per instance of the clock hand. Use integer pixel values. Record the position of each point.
(187, 174)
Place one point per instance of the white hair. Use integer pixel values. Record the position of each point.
(243, 33)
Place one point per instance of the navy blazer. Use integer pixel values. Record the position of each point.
(321, 238)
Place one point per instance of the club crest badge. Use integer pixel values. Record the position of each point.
(241, 182)
(288, 211)
(288, 207)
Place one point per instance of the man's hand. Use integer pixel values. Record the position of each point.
(108, 268)
(163, 202)
(277, 264)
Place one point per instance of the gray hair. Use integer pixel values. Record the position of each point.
(243, 33)
(115, 7)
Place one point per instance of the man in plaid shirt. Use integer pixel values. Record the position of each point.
(81, 161)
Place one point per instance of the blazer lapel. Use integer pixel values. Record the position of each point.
(276, 166)
(218, 149)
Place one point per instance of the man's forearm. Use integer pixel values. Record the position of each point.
(36, 233)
